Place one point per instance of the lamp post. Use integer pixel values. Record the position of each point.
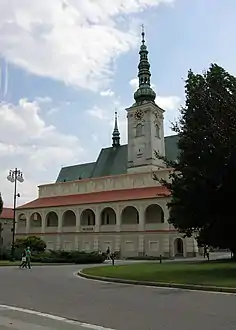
(14, 176)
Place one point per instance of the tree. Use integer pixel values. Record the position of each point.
(35, 243)
(203, 181)
(1, 204)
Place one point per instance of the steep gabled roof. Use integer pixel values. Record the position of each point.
(111, 161)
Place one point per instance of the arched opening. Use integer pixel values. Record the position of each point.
(52, 219)
(21, 221)
(129, 216)
(88, 218)
(108, 217)
(179, 247)
(35, 220)
(154, 214)
(69, 219)
(139, 130)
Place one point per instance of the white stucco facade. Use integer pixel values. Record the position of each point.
(130, 227)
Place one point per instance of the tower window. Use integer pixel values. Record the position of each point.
(139, 130)
(158, 131)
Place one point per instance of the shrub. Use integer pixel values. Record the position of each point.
(60, 256)
(35, 243)
(5, 254)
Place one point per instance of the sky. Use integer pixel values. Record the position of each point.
(67, 65)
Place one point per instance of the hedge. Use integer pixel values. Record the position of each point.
(146, 258)
(73, 257)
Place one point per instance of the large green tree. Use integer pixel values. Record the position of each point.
(1, 204)
(203, 181)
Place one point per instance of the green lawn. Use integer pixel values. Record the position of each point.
(220, 274)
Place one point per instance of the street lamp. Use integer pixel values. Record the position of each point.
(14, 176)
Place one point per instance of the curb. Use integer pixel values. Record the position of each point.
(159, 284)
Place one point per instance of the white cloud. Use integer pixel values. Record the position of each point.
(134, 83)
(98, 113)
(95, 137)
(37, 148)
(107, 92)
(168, 102)
(45, 99)
(71, 41)
(52, 111)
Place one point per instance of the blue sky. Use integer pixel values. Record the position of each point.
(67, 65)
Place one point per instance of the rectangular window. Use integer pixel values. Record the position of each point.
(86, 246)
(50, 245)
(153, 246)
(129, 246)
(67, 246)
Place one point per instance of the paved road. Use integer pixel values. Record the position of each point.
(57, 291)
(16, 320)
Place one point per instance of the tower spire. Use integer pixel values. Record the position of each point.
(144, 91)
(116, 133)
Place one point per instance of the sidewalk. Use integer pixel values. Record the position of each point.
(20, 320)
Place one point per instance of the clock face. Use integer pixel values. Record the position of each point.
(138, 115)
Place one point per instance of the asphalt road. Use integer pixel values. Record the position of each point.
(55, 290)
(16, 320)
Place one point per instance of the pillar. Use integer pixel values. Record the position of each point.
(117, 243)
(96, 243)
(141, 225)
(141, 245)
(97, 218)
(43, 228)
(118, 210)
(27, 223)
(77, 228)
(59, 230)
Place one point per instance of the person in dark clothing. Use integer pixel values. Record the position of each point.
(108, 253)
(113, 256)
(23, 260)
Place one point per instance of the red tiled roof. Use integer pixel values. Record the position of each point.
(7, 213)
(98, 197)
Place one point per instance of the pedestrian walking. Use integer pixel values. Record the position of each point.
(108, 253)
(28, 257)
(23, 260)
(113, 258)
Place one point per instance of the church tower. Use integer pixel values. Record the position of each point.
(145, 122)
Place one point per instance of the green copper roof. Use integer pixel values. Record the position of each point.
(76, 172)
(111, 161)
